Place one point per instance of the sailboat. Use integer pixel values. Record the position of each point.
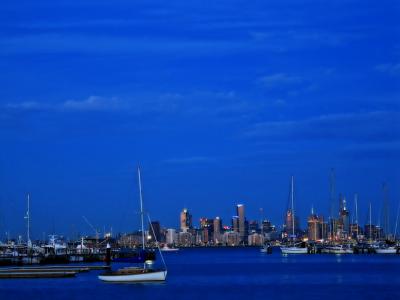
(144, 273)
(293, 248)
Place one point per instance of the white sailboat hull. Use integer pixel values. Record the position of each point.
(386, 251)
(293, 250)
(139, 277)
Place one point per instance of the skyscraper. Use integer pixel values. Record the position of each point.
(235, 224)
(186, 220)
(344, 220)
(315, 227)
(217, 230)
(206, 226)
(242, 223)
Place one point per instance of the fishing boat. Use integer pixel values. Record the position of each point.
(293, 248)
(145, 272)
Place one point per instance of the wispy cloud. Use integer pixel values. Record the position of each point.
(94, 103)
(279, 80)
(211, 103)
(364, 126)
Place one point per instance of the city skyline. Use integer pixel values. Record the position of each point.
(219, 103)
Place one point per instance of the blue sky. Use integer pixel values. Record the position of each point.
(219, 102)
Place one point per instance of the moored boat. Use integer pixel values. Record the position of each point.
(144, 273)
(387, 250)
(166, 248)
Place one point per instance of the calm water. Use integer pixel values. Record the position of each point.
(232, 274)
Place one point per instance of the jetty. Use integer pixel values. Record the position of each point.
(47, 271)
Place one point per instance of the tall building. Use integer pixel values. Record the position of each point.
(289, 222)
(315, 227)
(242, 223)
(217, 230)
(266, 226)
(171, 237)
(344, 220)
(235, 224)
(186, 220)
(155, 231)
(206, 226)
(253, 226)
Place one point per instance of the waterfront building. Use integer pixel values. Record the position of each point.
(267, 226)
(243, 231)
(235, 224)
(171, 236)
(315, 226)
(343, 226)
(185, 239)
(333, 229)
(356, 231)
(231, 238)
(186, 220)
(217, 230)
(373, 232)
(253, 226)
(255, 239)
(207, 228)
(288, 226)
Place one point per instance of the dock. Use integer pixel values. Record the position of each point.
(47, 271)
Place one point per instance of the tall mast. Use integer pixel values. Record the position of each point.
(292, 200)
(397, 220)
(356, 204)
(370, 221)
(28, 217)
(141, 206)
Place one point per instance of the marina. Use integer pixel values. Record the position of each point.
(231, 273)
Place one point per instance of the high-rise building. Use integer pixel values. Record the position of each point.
(289, 222)
(171, 237)
(242, 223)
(186, 220)
(235, 224)
(344, 220)
(206, 226)
(217, 230)
(266, 226)
(253, 226)
(315, 227)
(155, 231)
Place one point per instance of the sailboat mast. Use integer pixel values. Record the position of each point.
(141, 206)
(397, 220)
(292, 200)
(356, 204)
(370, 221)
(28, 217)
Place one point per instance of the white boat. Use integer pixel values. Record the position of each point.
(388, 250)
(169, 249)
(338, 249)
(293, 249)
(138, 274)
